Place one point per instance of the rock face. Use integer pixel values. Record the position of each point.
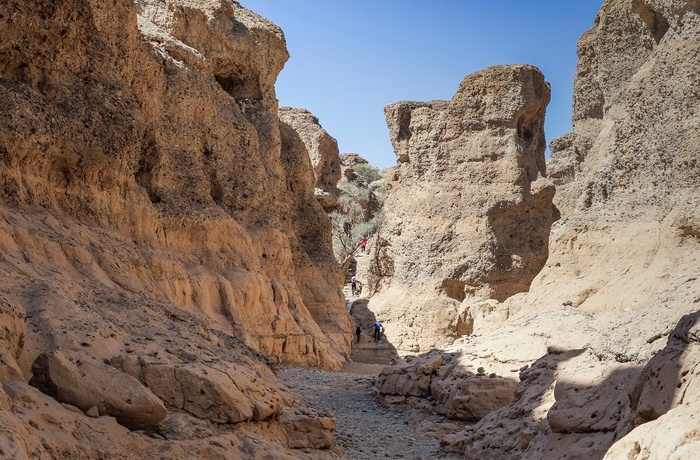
(148, 209)
(468, 211)
(607, 326)
(322, 149)
(317, 273)
(192, 183)
(13, 331)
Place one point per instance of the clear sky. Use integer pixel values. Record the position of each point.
(350, 58)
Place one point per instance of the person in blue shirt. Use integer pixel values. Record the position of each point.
(378, 331)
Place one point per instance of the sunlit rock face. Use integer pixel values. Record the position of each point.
(468, 209)
(608, 328)
(322, 150)
(152, 225)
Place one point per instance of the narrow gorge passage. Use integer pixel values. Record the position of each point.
(366, 429)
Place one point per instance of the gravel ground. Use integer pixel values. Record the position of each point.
(365, 429)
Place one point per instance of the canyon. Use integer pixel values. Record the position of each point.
(166, 246)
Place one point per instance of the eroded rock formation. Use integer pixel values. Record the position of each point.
(322, 149)
(609, 319)
(152, 226)
(468, 211)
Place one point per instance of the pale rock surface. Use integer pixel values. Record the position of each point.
(468, 210)
(599, 326)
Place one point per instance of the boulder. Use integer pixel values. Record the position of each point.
(464, 396)
(222, 392)
(307, 428)
(86, 384)
(408, 378)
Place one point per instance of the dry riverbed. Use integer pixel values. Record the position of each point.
(365, 429)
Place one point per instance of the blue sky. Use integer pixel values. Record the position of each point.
(349, 59)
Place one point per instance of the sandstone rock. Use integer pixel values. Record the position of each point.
(13, 331)
(98, 389)
(322, 150)
(673, 436)
(222, 392)
(15, 439)
(442, 383)
(622, 254)
(670, 380)
(468, 210)
(410, 378)
(184, 203)
(563, 165)
(180, 426)
(317, 272)
(461, 396)
(308, 430)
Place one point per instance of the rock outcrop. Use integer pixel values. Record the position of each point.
(149, 210)
(468, 211)
(609, 319)
(446, 384)
(86, 384)
(323, 151)
(317, 273)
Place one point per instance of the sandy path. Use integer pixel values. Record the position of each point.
(365, 430)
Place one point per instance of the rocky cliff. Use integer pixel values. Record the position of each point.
(468, 210)
(155, 226)
(323, 151)
(604, 344)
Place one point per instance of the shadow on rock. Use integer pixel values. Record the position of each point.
(555, 415)
(368, 349)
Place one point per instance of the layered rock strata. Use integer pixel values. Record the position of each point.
(154, 234)
(468, 210)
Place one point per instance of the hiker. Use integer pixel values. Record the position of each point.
(358, 332)
(348, 305)
(353, 285)
(378, 330)
(363, 245)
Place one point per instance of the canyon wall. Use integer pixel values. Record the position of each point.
(155, 222)
(468, 210)
(605, 342)
(323, 151)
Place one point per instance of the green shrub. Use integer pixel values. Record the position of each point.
(367, 171)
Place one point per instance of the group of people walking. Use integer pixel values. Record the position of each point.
(378, 331)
